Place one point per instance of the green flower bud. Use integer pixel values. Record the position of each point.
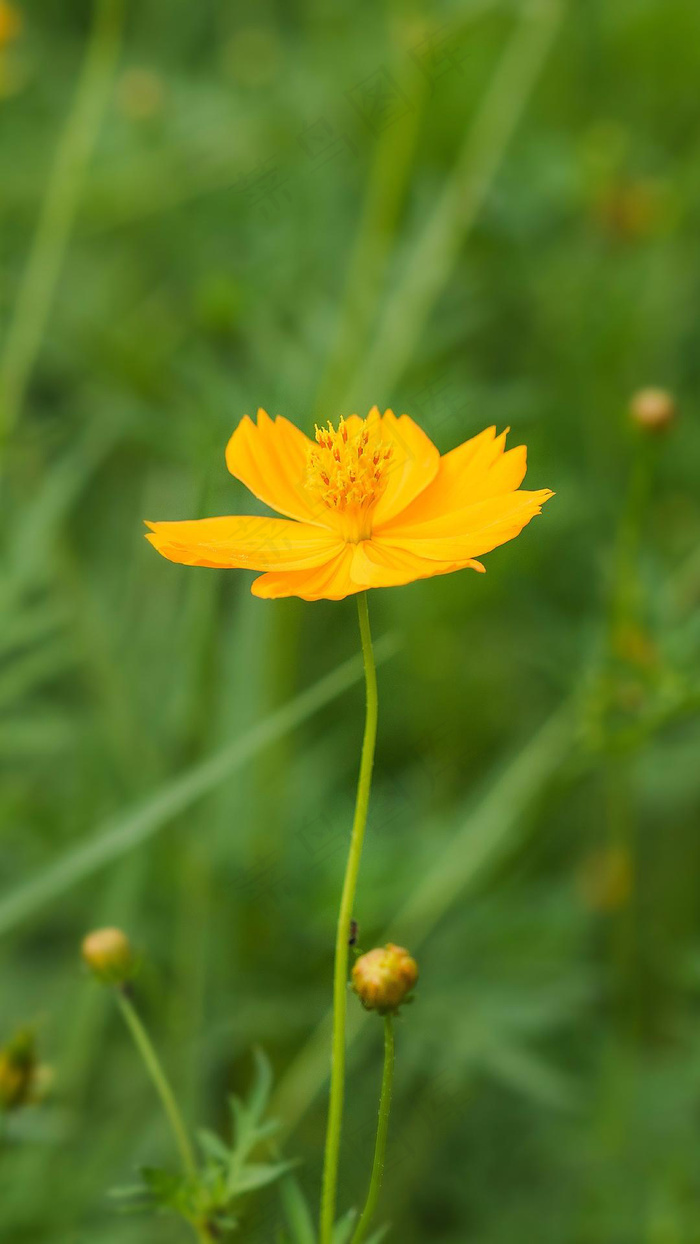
(108, 954)
(383, 978)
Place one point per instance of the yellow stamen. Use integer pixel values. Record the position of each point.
(348, 473)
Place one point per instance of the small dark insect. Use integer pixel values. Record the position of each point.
(352, 940)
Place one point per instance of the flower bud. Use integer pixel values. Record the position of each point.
(606, 880)
(653, 409)
(384, 977)
(108, 954)
(10, 22)
(18, 1070)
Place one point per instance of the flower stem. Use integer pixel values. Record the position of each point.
(158, 1078)
(335, 1108)
(375, 1182)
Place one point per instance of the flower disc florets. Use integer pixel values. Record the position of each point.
(383, 978)
(348, 471)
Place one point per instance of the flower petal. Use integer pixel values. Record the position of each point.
(377, 564)
(469, 532)
(413, 465)
(329, 582)
(271, 459)
(240, 541)
(472, 472)
(356, 568)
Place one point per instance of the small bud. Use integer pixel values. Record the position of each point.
(10, 22)
(108, 954)
(141, 94)
(606, 879)
(653, 409)
(384, 977)
(18, 1070)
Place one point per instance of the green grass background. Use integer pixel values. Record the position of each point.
(478, 213)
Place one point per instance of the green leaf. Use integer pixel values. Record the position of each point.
(344, 1228)
(379, 1235)
(213, 1146)
(258, 1175)
(259, 1098)
(250, 1128)
(168, 1191)
(297, 1212)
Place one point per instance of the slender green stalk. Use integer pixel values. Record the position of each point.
(624, 600)
(43, 268)
(337, 1093)
(375, 1182)
(159, 1080)
(160, 1083)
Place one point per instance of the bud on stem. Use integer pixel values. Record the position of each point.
(18, 1071)
(108, 954)
(654, 410)
(384, 977)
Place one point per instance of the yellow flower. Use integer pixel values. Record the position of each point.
(10, 23)
(371, 503)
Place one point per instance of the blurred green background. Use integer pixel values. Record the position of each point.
(477, 213)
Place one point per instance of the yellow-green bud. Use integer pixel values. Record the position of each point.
(384, 977)
(18, 1070)
(653, 409)
(108, 954)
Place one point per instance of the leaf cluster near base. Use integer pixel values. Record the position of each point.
(226, 1173)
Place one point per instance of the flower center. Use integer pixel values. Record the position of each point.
(348, 471)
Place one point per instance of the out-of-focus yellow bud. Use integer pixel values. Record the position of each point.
(108, 954)
(606, 880)
(141, 94)
(18, 1070)
(383, 978)
(10, 22)
(653, 409)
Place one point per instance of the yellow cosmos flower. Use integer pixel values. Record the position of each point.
(369, 504)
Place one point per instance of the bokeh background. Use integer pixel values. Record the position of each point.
(477, 213)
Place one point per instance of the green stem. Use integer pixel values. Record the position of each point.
(60, 203)
(375, 1182)
(335, 1108)
(160, 1083)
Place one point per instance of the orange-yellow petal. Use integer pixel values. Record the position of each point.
(413, 464)
(377, 564)
(478, 469)
(271, 459)
(240, 541)
(356, 568)
(331, 581)
(469, 532)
